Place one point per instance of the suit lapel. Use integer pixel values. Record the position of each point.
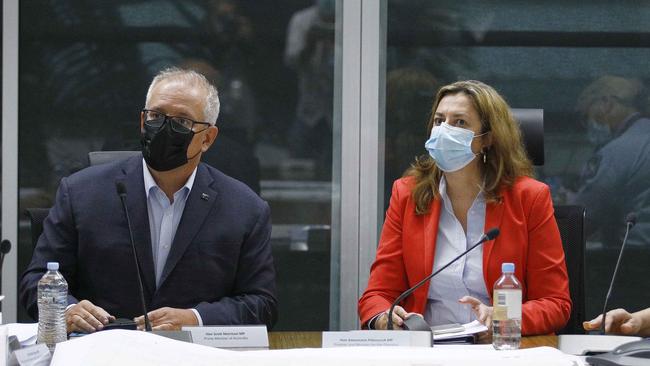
(137, 204)
(199, 203)
(493, 217)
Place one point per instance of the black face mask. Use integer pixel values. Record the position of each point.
(163, 148)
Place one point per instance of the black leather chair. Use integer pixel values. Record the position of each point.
(293, 263)
(26, 249)
(570, 221)
(531, 123)
(36, 217)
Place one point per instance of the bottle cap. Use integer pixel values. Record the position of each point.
(52, 266)
(508, 267)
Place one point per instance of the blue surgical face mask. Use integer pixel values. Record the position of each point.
(450, 147)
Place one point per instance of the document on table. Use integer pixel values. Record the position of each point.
(443, 355)
(132, 347)
(469, 329)
(117, 347)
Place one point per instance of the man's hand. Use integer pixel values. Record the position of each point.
(399, 314)
(617, 321)
(168, 319)
(86, 317)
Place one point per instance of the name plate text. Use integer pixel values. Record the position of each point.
(376, 338)
(231, 337)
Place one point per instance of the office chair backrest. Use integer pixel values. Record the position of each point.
(36, 218)
(531, 123)
(25, 250)
(103, 157)
(570, 221)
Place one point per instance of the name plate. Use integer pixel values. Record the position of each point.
(36, 355)
(248, 337)
(375, 338)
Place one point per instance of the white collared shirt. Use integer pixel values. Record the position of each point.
(164, 217)
(465, 277)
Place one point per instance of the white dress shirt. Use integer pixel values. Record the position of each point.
(465, 277)
(164, 217)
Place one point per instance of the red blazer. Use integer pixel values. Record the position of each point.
(529, 238)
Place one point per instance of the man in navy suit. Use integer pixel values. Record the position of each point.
(202, 238)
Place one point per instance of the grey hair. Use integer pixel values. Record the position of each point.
(194, 79)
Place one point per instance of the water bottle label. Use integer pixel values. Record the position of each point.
(507, 304)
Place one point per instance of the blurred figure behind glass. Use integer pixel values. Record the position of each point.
(310, 51)
(409, 92)
(615, 180)
(232, 153)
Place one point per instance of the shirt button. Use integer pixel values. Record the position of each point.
(166, 246)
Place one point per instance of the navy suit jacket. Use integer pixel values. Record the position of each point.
(220, 262)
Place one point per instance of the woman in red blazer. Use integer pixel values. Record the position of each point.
(476, 161)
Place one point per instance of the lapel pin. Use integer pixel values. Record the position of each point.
(205, 196)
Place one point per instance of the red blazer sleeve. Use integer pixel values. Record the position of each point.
(388, 278)
(548, 305)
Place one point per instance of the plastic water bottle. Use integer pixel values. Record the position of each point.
(506, 318)
(52, 301)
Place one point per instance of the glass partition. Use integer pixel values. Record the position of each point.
(585, 65)
(85, 67)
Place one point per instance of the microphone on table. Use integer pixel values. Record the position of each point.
(416, 322)
(630, 221)
(121, 191)
(619, 346)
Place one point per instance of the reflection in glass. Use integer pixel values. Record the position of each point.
(565, 58)
(84, 70)
(614, 181)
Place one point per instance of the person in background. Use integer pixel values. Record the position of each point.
(620, 321)
(409, 92)
(310, 52)
(202, 237)
(477, 176)
(615, 180)
(236, 129)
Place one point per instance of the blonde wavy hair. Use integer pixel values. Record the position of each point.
(506, 158)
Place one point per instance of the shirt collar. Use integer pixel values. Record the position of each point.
(442, 189)
(149, 182)
(627, 122)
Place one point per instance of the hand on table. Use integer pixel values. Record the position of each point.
(483, 312)
(168, 319)
(617, 321)
(86, 317)
(483, 315)
(399, 314)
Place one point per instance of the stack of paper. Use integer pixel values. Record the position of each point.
(467, 335)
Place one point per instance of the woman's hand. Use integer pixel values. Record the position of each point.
(482, 311)
(399, 314)
(483, 315)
